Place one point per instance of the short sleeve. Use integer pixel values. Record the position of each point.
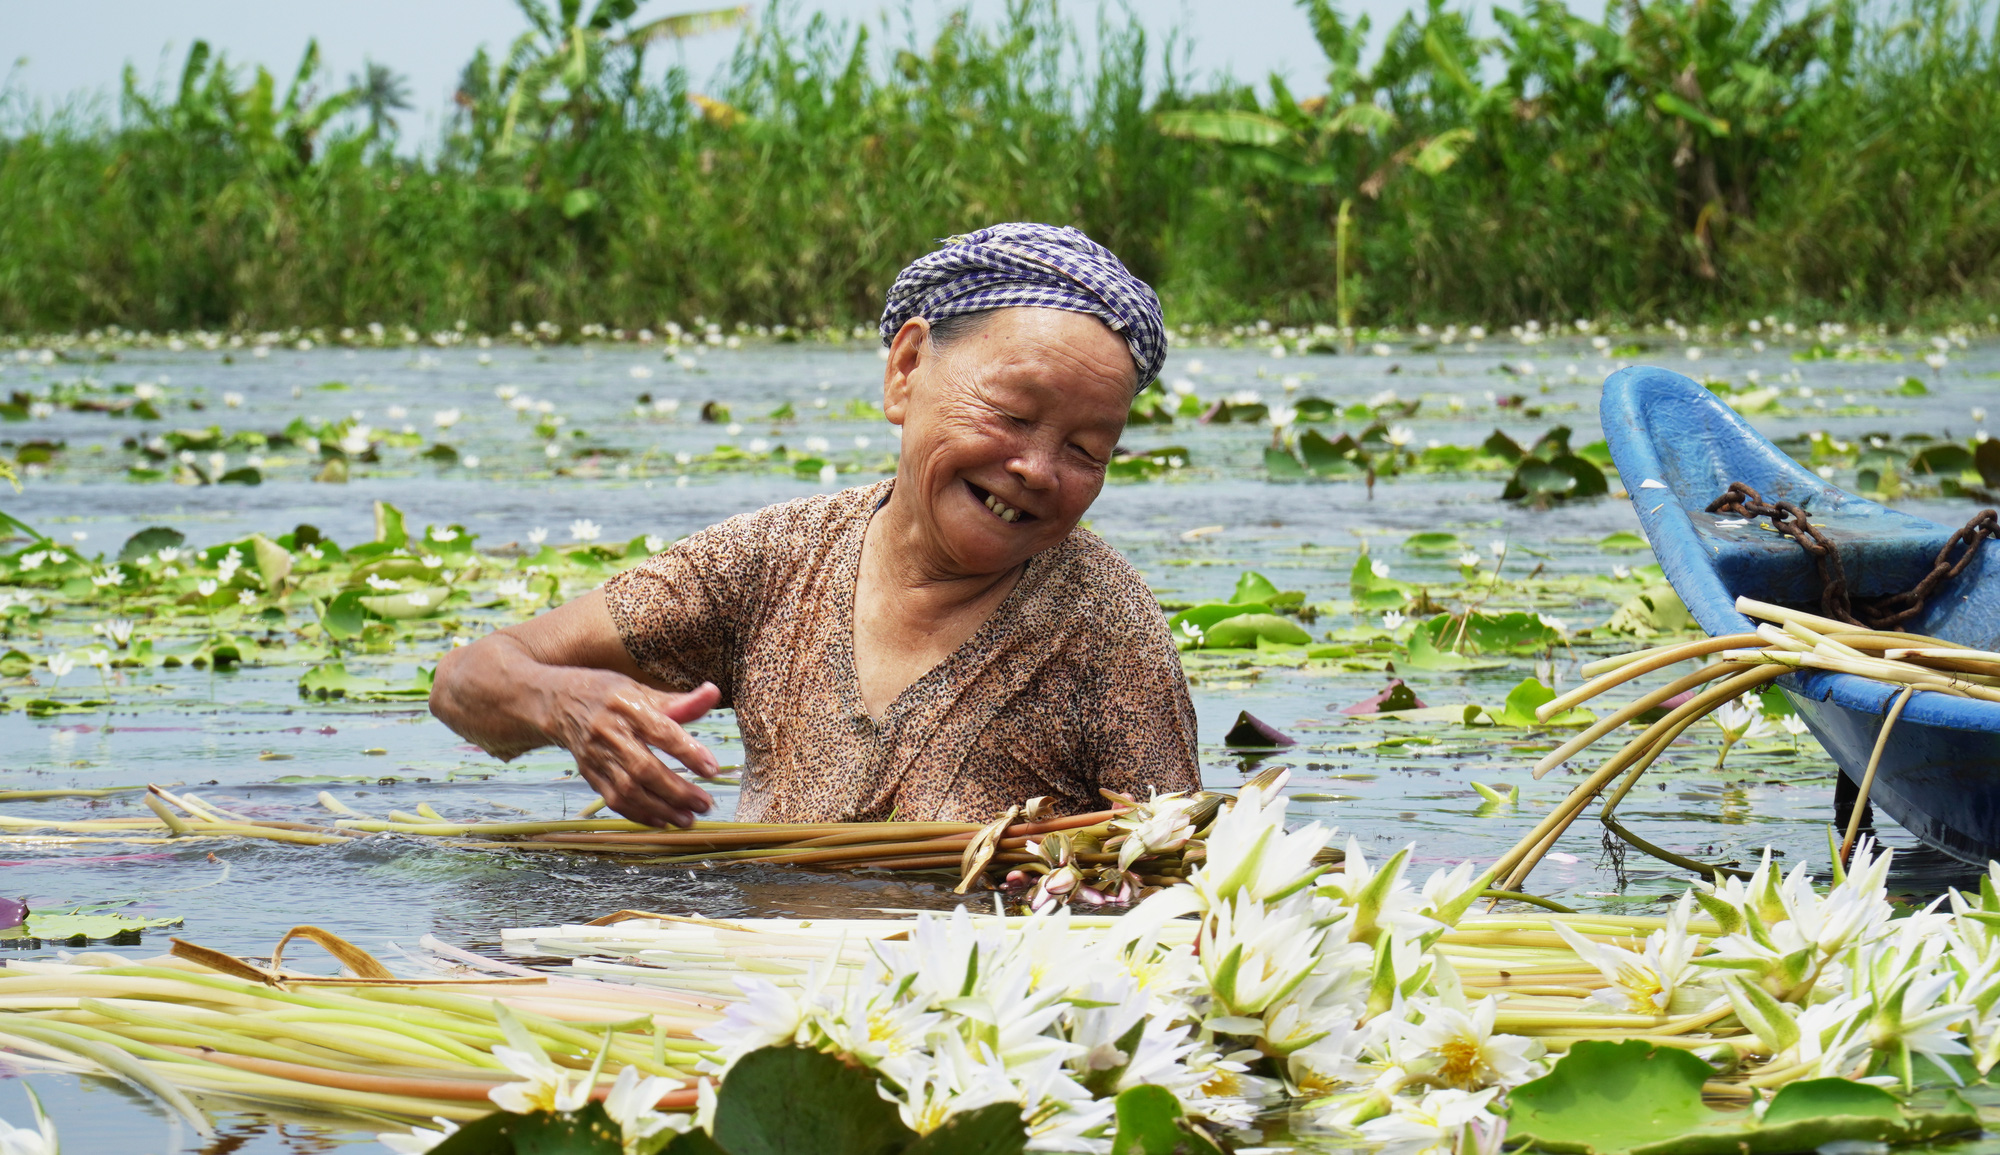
(687, 615)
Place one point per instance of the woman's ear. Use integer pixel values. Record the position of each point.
(907, 354)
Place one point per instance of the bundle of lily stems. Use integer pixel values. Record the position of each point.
(1789, 641)
(1114, 854)
(200, 1029)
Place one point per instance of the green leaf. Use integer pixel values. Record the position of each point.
(345, 617)
(586, 1131)
(1441, 151)
(1225, 126)
(1434, 543)
(1615, 1098)
(1947, 459)
(794, 1101)
(693, 1142)
(1328, 458)
(87, 923)
(1589, 479)
(1610, 1097)
(1253, 587)
(1205, 615)
(146, 541)
(1669, 103)
(994, 1129)
(1523, 700)
(1243, 631)
(1535, 478)
(333, 681)
(1653, 610)
(1150, 1123)
(1426, 654)
(1282, 466)
(389, 526)
(1624, 541)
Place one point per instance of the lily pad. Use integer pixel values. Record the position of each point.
(150, 540)
(1253, 733)
(333, 681)
(82, 924)
(1624, 541)
(1653, 610)
(1244, 631)
(1524, 699)
(1397, 695)
(1633, 1098)
(1426, 654)
(1434, 543)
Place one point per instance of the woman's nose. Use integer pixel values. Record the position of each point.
(1035, 468)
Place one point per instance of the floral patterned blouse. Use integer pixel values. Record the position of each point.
(1071, 686)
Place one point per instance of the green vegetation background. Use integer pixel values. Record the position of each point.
(1682, 158)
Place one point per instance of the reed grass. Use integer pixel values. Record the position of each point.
(1718, 158)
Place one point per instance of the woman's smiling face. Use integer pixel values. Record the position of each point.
(1006, 433)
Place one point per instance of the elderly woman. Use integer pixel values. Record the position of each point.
(936, 646)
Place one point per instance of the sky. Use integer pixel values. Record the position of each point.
(53, 53)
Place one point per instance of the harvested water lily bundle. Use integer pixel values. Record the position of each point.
(1266, 980)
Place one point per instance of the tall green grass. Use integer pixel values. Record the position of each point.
(1690, 158)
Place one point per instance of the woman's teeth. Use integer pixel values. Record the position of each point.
(1006, 512)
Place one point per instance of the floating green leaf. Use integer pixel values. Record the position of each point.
(333, 681)
(1617, 1098)
(1624, 541)
(1243, 631)
(1150, 1123)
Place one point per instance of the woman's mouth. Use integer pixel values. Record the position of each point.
(999, 509)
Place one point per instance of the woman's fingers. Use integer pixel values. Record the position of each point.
(656, 718)
(638, 785)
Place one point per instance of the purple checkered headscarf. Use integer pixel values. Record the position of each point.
(1034, 266)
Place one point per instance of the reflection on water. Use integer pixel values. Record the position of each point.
(257, 747)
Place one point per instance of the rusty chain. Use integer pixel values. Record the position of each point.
(1883, 613)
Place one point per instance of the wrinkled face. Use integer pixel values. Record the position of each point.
(1006, 434)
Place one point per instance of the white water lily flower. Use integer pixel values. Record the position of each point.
(547, 1087)
(1469, 558)
(118, 630)
(538, 535)
(655, 543)
(431, 561)
(417, 599)
(381, 584)
(446, 418)
(767, 1016)
(21, 1141)
(1621, 572)
(1739, 722)
(246, 598)
(1434, 1125)
(1399, 435)
(1379, 569)
(584, 529)
(1793, 724)
(1457, 1046)
(419, 1139)
(1557, 624)
(511, 588)
(206, 587)
(1393, 620)
(631, 1102)
(828, 475)
(111, 577)
(1642, 984)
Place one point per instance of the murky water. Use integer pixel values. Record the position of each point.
(256, 746)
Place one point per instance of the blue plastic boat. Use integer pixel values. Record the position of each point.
(1940, 773)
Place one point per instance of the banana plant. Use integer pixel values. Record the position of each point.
(1347, 142)
(281, 135)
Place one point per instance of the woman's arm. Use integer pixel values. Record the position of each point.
(565, 679)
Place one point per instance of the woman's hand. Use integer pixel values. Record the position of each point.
(565, 679)
(612, 725)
